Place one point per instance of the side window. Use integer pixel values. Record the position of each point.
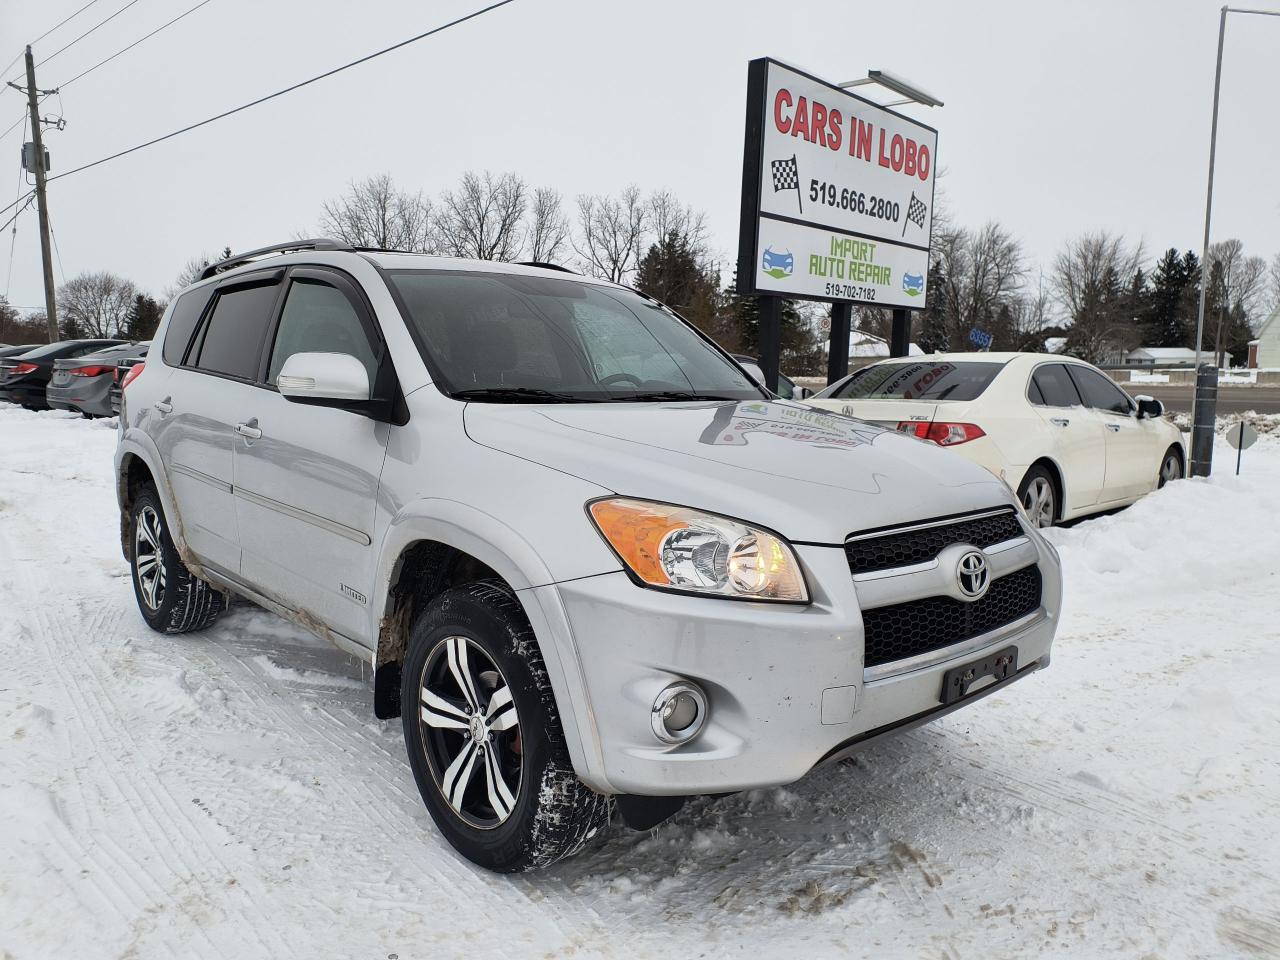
(1055, 386)
(1034, 394)
(1099, 392)
(182, 323)
(232, 339)
(318, 318)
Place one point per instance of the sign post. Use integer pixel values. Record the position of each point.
(1241, 436)
(837, 204)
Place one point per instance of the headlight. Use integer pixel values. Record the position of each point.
(676, 548)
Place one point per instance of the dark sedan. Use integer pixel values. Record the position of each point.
(14, 351)
(84, 383)
(23, 378)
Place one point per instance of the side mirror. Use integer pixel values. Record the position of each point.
(801, 393)
(1149, 407)
(324, 379)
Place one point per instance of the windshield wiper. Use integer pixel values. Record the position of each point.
(670, 395)
(518, 395)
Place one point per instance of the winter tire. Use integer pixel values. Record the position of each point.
(484, 737)
(1170, 468)
(1039, 497)
(170, 599)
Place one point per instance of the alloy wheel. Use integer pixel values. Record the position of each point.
(1038, 502)
(1170, 470)
(148, 560)
(470, 732)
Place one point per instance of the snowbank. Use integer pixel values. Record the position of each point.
(230, 795)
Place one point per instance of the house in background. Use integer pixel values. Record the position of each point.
(1169, 357)
(1264, 352)
(865, 348)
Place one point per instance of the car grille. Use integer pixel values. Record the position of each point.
(921, 626)
(907, 547)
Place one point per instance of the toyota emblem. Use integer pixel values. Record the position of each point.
(973, 575)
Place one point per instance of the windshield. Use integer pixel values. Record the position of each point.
(508, 338)
(916, 380)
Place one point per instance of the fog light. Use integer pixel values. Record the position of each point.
(678, 713)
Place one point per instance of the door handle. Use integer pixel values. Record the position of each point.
(164, 406)
(249, 430)
(1113, 427)
(1060, 421)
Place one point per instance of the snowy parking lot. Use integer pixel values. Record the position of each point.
(229, 794)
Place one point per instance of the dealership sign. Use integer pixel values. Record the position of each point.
(837, 194)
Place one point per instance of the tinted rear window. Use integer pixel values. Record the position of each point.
(919, 380)
(182, 323)
(232, 340)
(1055, 387)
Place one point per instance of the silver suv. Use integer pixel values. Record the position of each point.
(591, 562)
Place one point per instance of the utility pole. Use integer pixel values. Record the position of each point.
(42, 203)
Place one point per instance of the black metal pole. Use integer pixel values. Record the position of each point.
(900, 339)
(770, 340)
(1202, 420)
(838, 353)
(1239, 447)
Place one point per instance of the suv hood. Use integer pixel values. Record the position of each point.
(810, 475)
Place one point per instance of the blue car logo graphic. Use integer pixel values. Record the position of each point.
(778, 265)
(913, 284)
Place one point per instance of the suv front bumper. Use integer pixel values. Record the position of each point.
(785, 683)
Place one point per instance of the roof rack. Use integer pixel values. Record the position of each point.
(320, 243)
(545, 266)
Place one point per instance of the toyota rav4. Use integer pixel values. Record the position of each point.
(591, 562)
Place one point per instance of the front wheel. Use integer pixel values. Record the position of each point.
(484, 737)
(1170, 468)
(1039, 497)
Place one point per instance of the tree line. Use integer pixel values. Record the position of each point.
(1100, 295)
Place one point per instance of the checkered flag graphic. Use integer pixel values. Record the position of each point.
(786, 176)
(915, 213)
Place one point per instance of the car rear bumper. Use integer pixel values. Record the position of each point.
(91, 394)
(785, 684)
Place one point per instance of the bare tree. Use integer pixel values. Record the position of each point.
(191, 271)
(373, 213)
(1244, 278)
(547, 233)
(1273, 287)
(1089, 276)
(981, 272)
(610, 232)
(667, 216)
(483, 219)
(95, 305)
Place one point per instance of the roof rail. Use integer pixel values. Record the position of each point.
(546, 266)
(320, 243)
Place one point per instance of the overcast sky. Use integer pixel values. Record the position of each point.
(1060, 117)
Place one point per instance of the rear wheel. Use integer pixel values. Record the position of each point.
(1039, 497)
(484, 737)
(1170, 468)
(170, 599)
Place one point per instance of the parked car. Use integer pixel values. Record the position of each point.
(24, 376)
(586, 556)
(1058, 430)
(787, 388)
(85, 383)
(122, 370)
(14, 351)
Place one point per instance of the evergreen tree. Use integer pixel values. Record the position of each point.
(670, 272)
(799, 342)
(933, 336)
(143, 318)
(1164, 321)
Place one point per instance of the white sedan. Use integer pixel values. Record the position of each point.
(1057, 430)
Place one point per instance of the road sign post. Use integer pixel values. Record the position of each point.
(1242, 437)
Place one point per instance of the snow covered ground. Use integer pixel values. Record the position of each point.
(229, 794)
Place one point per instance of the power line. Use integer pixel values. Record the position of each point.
(101, 63)
(58, 252)
(30, 198)
(280, 93)
(56, 26)
(100, 23)
(14, 239)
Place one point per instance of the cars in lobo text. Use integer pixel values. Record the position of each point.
(592, 563)
(1057, 429)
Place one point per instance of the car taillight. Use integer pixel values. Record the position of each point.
(943, 434)
(89, 371)
(132, 375)
(24, 368)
